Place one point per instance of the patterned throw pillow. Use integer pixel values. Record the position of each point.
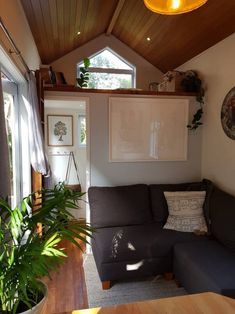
(186, 211)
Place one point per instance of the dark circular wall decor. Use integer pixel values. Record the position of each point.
(228, 114)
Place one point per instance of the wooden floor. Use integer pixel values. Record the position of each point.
(67, 289)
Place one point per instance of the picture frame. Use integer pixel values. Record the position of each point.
(148, 129)
(228, 114)
(59, 130)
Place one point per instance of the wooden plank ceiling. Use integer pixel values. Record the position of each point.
(174, 39)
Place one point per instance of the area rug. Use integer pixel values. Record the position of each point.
(125, 291)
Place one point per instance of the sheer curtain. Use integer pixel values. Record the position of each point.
(4, 152)
(39, 160)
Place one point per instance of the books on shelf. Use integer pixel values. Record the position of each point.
(51, 78)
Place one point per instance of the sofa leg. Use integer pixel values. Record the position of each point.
(106, 285)
(168, 276)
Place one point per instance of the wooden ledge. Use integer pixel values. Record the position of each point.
(71, 88)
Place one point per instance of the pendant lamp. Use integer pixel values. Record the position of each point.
(171, 7)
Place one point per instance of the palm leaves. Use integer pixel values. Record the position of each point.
(25, 255)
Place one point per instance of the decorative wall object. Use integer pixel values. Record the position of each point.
(148, 129)
(60, 130)
(228, 114)
(172, 82)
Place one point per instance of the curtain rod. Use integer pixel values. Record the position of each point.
(17, 51)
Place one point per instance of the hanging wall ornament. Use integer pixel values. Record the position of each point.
(228, 114)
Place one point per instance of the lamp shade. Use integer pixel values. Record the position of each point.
(171, 7)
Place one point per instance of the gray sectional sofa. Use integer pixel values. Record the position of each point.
(210, 266)
(130, 240)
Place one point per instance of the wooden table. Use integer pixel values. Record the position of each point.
(203, 303)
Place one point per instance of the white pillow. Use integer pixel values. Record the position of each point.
(185, 211)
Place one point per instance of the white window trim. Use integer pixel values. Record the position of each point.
(11, 69)
(20, 88)
(110, 70)
(11, 88)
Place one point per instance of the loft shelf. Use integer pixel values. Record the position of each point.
(71, 88)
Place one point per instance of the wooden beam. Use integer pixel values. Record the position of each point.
(115, 17)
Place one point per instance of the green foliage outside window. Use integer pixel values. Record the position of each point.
(82, 130)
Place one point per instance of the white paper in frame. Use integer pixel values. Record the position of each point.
(148, 129)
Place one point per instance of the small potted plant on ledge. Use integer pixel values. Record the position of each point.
(27, 255)
(192, 83)
(83, 79)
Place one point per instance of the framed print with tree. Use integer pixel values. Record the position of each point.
(59, 130)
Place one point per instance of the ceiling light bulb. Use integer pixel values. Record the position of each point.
(148, 38)
(78, 33)
(175, 4)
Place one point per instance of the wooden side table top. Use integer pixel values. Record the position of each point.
(203, 303)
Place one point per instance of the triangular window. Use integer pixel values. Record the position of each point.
(107, 59)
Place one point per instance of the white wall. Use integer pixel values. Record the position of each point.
(216, 67)
(59, 163)
(14, 19)
(145, 71)
(105, 173)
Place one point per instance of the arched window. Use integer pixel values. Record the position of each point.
(109, 71)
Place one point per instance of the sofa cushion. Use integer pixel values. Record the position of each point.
(124, 243)
(205, 266)
(119, 205)
(158, 202)
(186, 211)
(139, 242)
(222, 213)
(166, 239)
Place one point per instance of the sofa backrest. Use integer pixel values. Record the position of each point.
(158, 202)
(119, 205)
(222, 215)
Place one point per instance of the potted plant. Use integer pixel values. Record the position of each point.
(192, 83)
(27, 255)
(83, 79)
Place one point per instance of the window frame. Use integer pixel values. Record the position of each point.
(11, 88)
(13, 73)
(131, 72)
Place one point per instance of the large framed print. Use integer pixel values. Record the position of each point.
(148, 129)
(60, 130)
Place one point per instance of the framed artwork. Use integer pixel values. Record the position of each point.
(60, 130)
(228, 114)
(148, 129)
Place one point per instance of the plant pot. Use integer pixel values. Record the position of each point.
(74, 187)
(37, 309)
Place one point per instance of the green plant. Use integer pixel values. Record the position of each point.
(84, 74)
(27, 255)
(192, 83)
